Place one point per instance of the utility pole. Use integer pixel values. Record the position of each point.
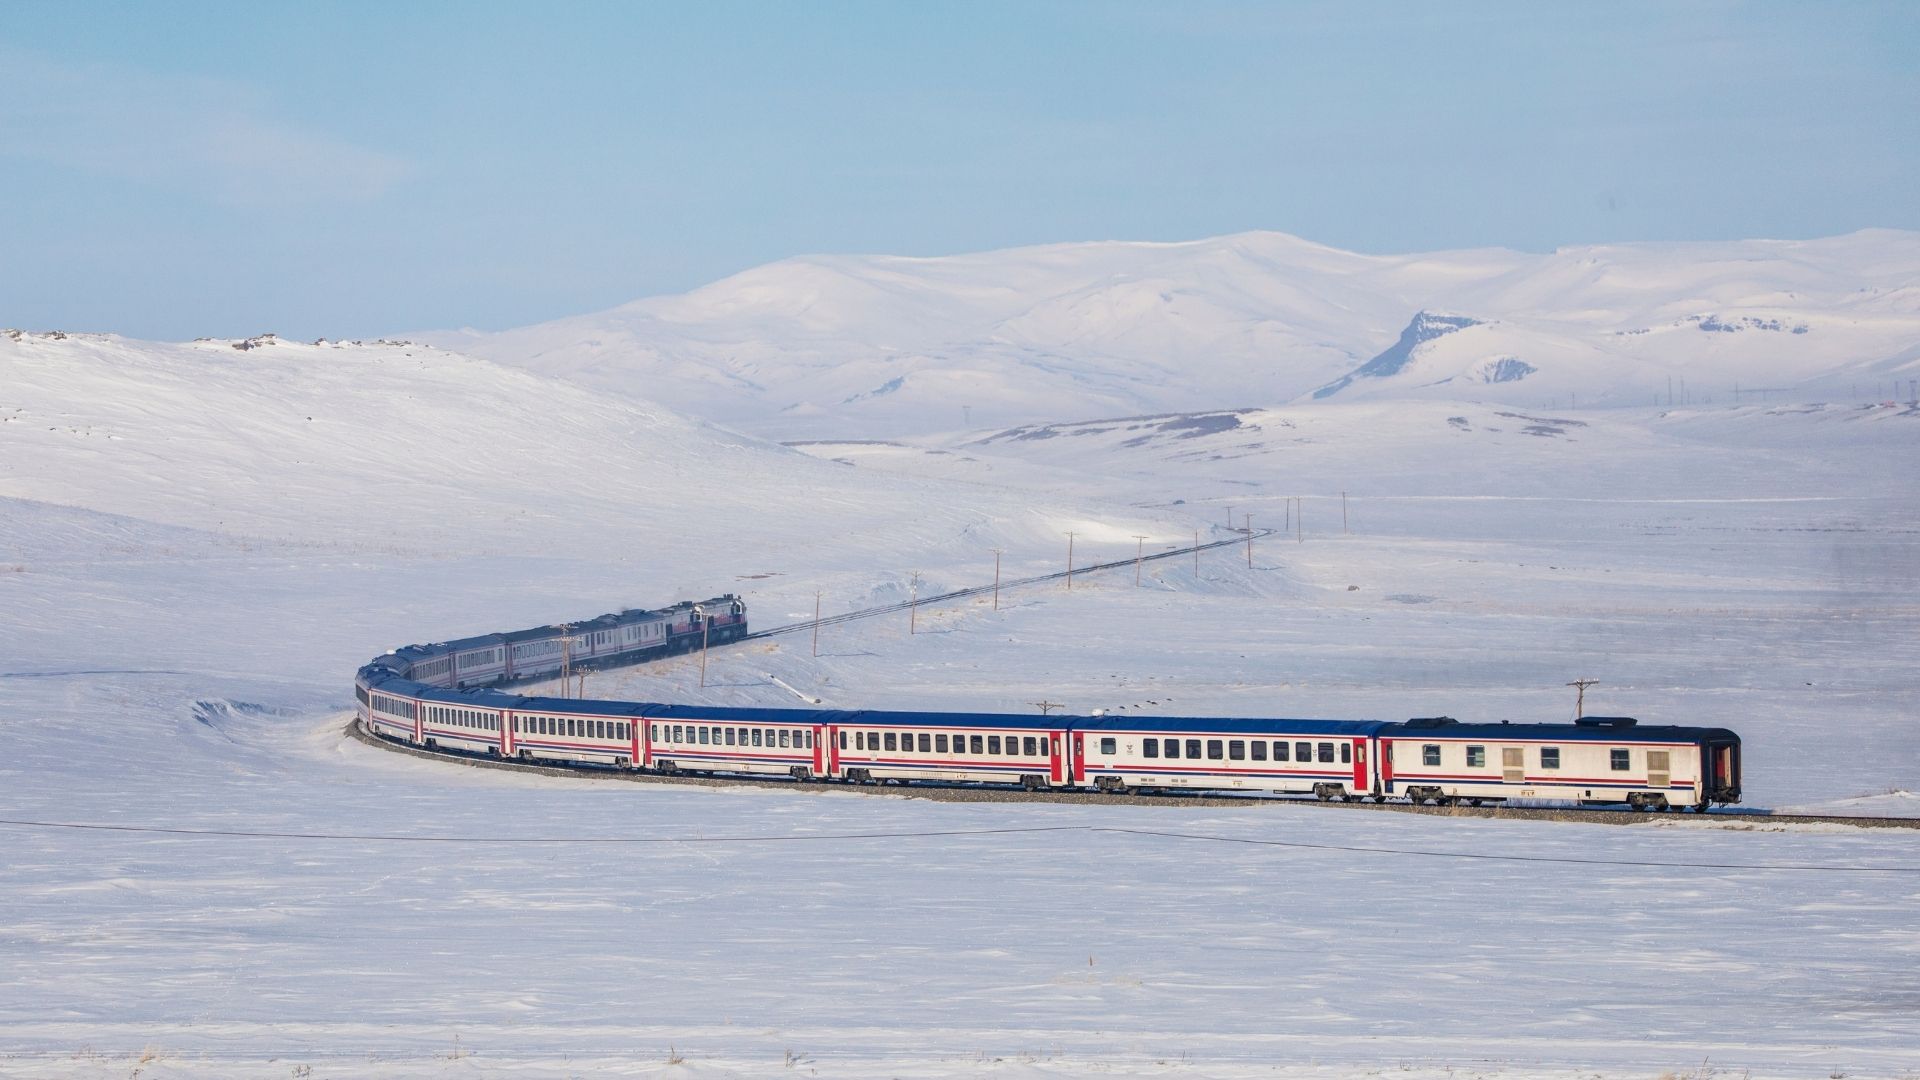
(816, 622)
(1249, 541)
(1580, 699)
(1046, 707)
(1069, 562)
(1196, 554)
(1139, 548)
(996, 579)
(913, 605)
(701, 614)
(1343, 515)
(1229, 516)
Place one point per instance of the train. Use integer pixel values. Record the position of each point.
(455, 696)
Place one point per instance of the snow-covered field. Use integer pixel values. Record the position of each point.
(190, 569)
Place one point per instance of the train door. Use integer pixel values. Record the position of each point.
(419, 711)
(1513, 764)
(833, 750)
(1360, 784)
(1056, 773)
(644, 733)
(1386, 766)
(1725, 771)
(506, 733)
(1079, 752)
(820, 736)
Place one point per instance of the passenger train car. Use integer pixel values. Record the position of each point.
(445, 697)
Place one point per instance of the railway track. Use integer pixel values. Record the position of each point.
(986, 793)
(989, 794)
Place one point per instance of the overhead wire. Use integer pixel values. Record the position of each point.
(912, 834)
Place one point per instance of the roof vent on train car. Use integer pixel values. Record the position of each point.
(1431, 721)
(1606, 721)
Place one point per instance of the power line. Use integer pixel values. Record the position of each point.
(250, 834)
(1567, 860)
(244, 834)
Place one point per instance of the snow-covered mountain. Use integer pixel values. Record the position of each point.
(880, 345)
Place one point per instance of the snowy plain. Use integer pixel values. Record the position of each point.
(191, 569)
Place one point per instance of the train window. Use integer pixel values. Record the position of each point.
(679, 733)
(729, 736)
(1280, 752)
(809, 739)
(1303, 751)
(1346, 753)
(1173, 748)
(843, 740)
(890, 741)
(1622, 760)
(1150, 747)
(939, 744)
(1549, 757)
(742, 733)
(974, 741)
(1326, 751)
(1259, 748)
(993, 745)
(873, 740)
(1193, 748)
(1476, 757)
(1109, 746)
(859, 740)
(926, 743)
(786, 739)
(1032, 746)
(1236, 749)
(1216, 750)
(653, 732)
(1430, 754)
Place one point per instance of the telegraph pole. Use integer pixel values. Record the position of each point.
(816, 622)
(1249, 541)
(1139, 548)
(1046, 707)
(1343, 515)
(1069, 562)
(1196, 554)
(1580, 698)
(701, 614)
(913, 606)
(996, 579)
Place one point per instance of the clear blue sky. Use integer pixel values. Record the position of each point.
(185, 169)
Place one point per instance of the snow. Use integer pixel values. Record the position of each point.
(191, 570)
(838, 346)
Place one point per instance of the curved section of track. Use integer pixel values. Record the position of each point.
(952, 792)
(986, 793)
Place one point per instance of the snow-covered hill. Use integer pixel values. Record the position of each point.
(839, 346)
(403, 448)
